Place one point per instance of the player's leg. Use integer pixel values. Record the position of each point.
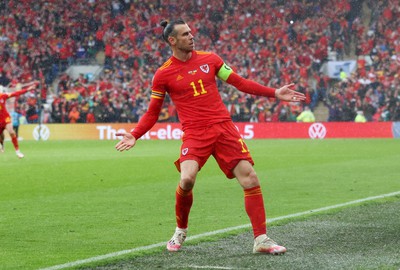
(196, 148)
(234, 159)
(254, 205)
(184, 194)
(14, 140)
(183, 203)
(253, 198)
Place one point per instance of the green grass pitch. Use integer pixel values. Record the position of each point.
(72, 200)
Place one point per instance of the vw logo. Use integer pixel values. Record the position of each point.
(41, 132)
(317, 131)
(396, 129)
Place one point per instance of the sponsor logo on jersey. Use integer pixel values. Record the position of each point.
(205, 68)
(179, 78)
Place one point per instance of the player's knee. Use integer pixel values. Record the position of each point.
(248, 179)
(252, 178)
(187, 181)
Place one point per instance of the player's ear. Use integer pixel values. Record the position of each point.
(172, 40)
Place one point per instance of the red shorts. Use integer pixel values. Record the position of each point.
(222, 140)
(4, 123)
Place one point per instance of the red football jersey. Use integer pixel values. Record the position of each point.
(4, 115)
(193, 89)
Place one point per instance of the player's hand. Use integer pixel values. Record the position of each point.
(126, 143)
(32, 87)
(31, 83)
(286, 94)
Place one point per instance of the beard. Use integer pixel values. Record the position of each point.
(186, 49)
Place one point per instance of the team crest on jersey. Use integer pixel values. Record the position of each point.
(205, 68)
(185, 151)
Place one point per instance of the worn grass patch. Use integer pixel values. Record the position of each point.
(360, 237)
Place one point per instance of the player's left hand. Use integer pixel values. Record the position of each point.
(286, 94)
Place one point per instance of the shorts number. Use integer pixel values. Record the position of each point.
(244, 148)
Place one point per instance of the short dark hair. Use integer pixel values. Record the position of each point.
(169, 27)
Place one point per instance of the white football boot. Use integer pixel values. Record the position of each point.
(177, 239)
(19, 154)
(264, 244)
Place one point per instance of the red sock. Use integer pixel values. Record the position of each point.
(254, 204)
(14, 140)
(184, 201)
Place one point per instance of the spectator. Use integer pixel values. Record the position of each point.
(342, 74)
(360, 118)
(56, 114)
(306, 116)
(46, 116)
(90, 116)
(74, 115)
(15, 116)
(335, 113)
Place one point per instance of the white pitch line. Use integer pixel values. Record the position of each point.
(209, 267)
(133, 250)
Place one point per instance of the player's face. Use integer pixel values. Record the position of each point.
(184, 38)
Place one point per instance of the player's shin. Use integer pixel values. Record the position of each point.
(183, 204)
(14, 141)
(254, 205)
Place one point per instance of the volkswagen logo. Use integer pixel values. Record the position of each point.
(317, 131)
(41, 132)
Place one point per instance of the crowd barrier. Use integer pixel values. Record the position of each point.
(172, 131)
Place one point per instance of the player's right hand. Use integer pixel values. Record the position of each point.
(126, 143)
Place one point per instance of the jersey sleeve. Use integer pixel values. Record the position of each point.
(150, 117)
(249, 86)
(226, 74)
(17, 93)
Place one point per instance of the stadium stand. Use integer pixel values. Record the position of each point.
(274, 42)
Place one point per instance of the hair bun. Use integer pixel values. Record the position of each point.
(164, 23)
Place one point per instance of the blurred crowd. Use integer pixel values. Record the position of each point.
(274, 42)
(373, 90)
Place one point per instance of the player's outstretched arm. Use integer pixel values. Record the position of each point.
(25, 88)
(126, 143)
(146, 122)
(251, 87)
